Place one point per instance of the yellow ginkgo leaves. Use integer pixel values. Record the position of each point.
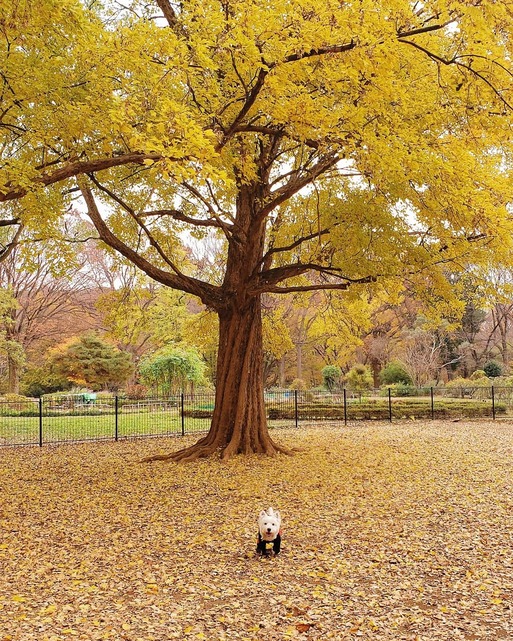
(389, 532)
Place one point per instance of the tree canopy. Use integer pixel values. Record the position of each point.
(90, 361)
(323, 145)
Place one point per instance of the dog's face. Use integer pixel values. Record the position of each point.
(269, 523)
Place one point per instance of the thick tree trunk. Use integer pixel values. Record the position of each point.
(239, 422)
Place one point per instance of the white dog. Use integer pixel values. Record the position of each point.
(269, 532)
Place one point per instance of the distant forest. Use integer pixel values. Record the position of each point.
(51, 298)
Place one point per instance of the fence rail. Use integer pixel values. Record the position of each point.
(85, 418)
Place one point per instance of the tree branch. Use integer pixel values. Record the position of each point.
(153, 242)
(9, 222)
(293, 245)
(275, 289)
(169, 13)
(209, 294)
(297, 182)
(6, 250)
(321, 51)
(178, 215)
(260, 129)
(217, 220)
(456, 61)
(248, 103)
(426, 29)
(72, 169)
(267, 281)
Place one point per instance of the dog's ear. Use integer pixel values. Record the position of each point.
(263, 514)
(277, 515)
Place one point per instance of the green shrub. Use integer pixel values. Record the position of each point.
(502, 381)
(198, 413)
(492, 369)
(460, 387)
(399, 389)
(331, 376)
(89, 360)
(39, 380)
(16, 405)
(359, 378)
(394, 373)
(172, 369)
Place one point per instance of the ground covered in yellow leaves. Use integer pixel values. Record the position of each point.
(390, 532)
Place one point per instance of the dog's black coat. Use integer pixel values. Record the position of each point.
(264, 547)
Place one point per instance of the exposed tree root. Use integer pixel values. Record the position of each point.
(203, 449)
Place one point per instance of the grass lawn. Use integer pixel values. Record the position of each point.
(25, 429)
(398, 532)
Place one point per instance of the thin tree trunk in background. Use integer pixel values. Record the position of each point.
(282, 372)
(13, 375)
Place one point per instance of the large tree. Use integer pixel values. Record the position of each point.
(327, 145)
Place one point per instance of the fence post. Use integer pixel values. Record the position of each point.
(432, 405)
(389, 405)
(40, 422)
(295, 408)
(182, 413)
(345, 406)
(493, 403)
(116, 412)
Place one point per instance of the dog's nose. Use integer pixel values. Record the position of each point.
(269, 530)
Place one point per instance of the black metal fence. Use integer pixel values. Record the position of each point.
(83, 418)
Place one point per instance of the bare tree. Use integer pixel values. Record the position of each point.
(49, 306)
(422, 356)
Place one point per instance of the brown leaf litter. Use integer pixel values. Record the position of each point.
(391, 533)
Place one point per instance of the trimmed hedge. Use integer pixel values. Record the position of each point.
(379, 409)
(198, 413)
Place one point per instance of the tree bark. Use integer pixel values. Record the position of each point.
(282, 371)
(375, 369)
(239, 421)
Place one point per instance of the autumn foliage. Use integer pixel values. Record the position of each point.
(322, 145)
(91, 362)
